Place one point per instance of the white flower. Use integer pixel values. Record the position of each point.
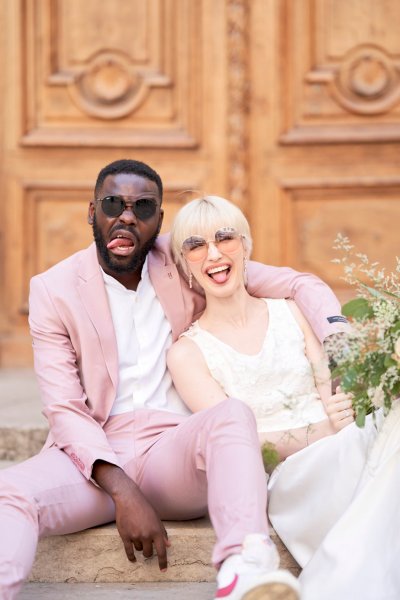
(377, 396)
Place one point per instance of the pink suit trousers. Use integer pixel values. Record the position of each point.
(183, 465)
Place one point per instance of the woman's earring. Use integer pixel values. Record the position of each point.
(245, 271)
(190, 280)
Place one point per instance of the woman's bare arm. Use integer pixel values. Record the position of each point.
(338, 406)
(191, 376)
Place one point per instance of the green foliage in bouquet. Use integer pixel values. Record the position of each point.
(368, 359)
(270, 456)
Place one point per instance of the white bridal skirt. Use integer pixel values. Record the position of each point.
(336, 506)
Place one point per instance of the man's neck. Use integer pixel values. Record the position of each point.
(129, 280)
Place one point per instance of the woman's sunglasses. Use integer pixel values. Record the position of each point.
(195, 247)
(114, 206)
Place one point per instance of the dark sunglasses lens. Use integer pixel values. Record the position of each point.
(144, 208)
(112, 206)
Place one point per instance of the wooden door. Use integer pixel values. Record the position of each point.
(324, 131)
(288, 107)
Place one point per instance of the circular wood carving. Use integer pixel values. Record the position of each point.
(367, 81)
(108, 88)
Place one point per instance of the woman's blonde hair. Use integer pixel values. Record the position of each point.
(204, 216)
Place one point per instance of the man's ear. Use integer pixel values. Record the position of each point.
(91, 210)
(161, 219)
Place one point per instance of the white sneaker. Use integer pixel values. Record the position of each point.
(254, 575)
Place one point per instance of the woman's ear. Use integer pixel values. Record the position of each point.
(192, 281)
(185, 267)
(246, 248)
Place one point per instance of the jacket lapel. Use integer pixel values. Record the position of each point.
(94, 298)
(166, 281)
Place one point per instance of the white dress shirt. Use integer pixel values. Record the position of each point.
(143, 337)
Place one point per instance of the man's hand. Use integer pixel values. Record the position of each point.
(339, 409)
(137, 522)
(139, 525)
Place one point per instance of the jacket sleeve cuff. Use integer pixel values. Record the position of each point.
(84, 460)
(329, 328)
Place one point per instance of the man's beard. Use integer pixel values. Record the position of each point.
(136, 260)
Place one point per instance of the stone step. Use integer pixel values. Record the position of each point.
(118, 591)
(97, 556)
(20, 443)
(23, 429)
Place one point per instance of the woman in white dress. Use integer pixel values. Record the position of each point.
(333, 499)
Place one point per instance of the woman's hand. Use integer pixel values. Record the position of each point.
(339, 410)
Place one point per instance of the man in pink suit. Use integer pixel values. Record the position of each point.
(121, 445)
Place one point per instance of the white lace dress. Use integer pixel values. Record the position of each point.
(277, 382)
(335, 504)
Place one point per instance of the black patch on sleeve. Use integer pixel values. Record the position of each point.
(337, 319)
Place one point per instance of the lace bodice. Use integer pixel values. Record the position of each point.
(277, 382)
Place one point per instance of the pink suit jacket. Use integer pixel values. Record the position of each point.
(75, 349)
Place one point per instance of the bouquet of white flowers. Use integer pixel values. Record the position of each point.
(368, 359)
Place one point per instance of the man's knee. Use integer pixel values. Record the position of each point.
(12, 499)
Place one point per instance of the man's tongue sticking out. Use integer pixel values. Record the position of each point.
(121, 246)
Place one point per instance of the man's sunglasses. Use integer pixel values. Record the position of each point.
(114, 206)
(195, 247)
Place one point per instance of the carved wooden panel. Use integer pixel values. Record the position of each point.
(364, 211)
(340, 62)
(111, 73)
(56, 224)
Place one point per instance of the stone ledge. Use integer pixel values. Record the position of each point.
(20, 443)
(97, 555)
(182, 590)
